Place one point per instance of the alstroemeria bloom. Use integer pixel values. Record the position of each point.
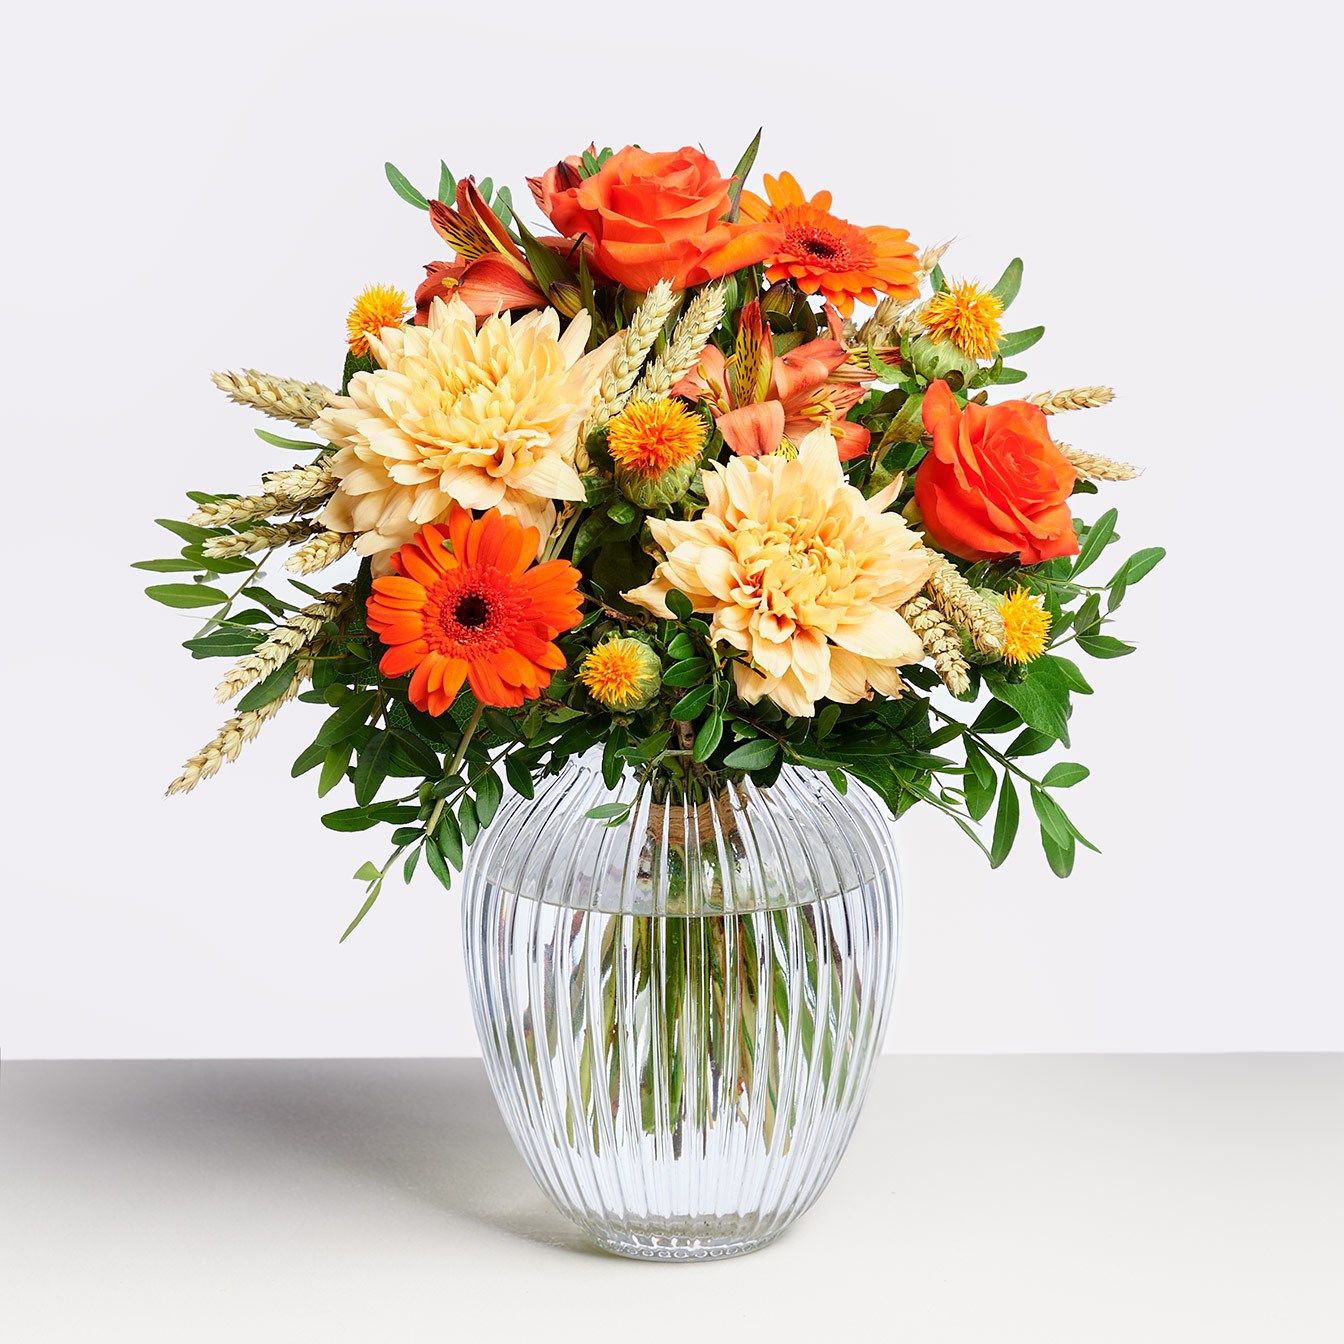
(761, 400)
(491, 273)
(794, 567)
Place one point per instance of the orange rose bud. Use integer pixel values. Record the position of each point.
(994, 484)
(650, 217)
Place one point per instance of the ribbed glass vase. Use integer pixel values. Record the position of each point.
(679, 1007)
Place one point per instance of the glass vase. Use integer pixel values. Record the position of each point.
(679, 1000)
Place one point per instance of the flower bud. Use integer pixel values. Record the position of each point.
(565, 298)
(648, 492)
(622, 674)
(934, 358)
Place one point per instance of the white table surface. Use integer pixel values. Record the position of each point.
(1048, 1198)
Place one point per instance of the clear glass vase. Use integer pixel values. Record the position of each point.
(679, 1008)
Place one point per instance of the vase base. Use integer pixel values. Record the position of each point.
(660, 1246)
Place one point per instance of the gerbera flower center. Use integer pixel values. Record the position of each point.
(817, 246)
(472, 611)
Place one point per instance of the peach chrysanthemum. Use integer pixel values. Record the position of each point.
(651, 437)
(377, 307)
(824, 254)
(966, 315)
(482, 418)
(801, 573)
(1026, 624)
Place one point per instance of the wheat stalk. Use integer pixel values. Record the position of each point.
(1098, 468)
(1072, 399)
(257, 539)
(297, 636)
(941, 642)
(619, 376)
(234, 735)
(280, 398)
(286, 492)
(324, 549)
(698, 323)
(963, 606)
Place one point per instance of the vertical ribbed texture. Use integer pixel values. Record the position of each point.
(679, 1013)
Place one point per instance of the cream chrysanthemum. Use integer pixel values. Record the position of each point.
(799, 571)
(482, 418)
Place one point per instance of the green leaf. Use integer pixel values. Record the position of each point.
(468, 821)
(708, 738)
(308, 759)
(189, 531)
(407, 193)
(269, 600)
(177, 565)
(375, 758)
(367, 872)
(938, 280)
(449, 840)
(740, 176)
(334, 765)
(679, 604)
(1015, 342)
(1051, 817)
(622, 511)
(1104, 646)
(267, 689)
(996, 718)
(1005, 823)
(408, 868)
(980, 782)
(1029, 743)
(688, 672)
(294, 445)
(349, 819)
(682, 646)
(347, 718)
(1068, 669)
(1009, 282)
(447, 184)
(1098, 536)
(186, 595)
(438, 865)
(1008, 376)
(692, 704)
(608, 812)
(1139, 564)
(1058, 854)
(753, 755)
(1042, 699)
(225, 643)
(489, 795)
(1064, 775)
(519, 776)
(363, 910)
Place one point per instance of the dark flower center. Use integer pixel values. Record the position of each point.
(821, 247)
(473, 611)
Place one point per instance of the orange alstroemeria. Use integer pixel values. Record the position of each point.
(491, 273)
(761, 400)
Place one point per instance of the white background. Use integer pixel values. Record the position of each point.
(191, 188)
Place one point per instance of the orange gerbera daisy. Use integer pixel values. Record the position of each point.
(466, 604)
(824, 254)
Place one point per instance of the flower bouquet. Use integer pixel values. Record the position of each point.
(645, 523)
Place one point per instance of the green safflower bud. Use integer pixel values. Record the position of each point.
(933, 358)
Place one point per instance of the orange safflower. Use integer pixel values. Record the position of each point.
(824, 254)
(377, 307)
(479, 612)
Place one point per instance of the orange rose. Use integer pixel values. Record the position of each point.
(994, 484)
(650, 217)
